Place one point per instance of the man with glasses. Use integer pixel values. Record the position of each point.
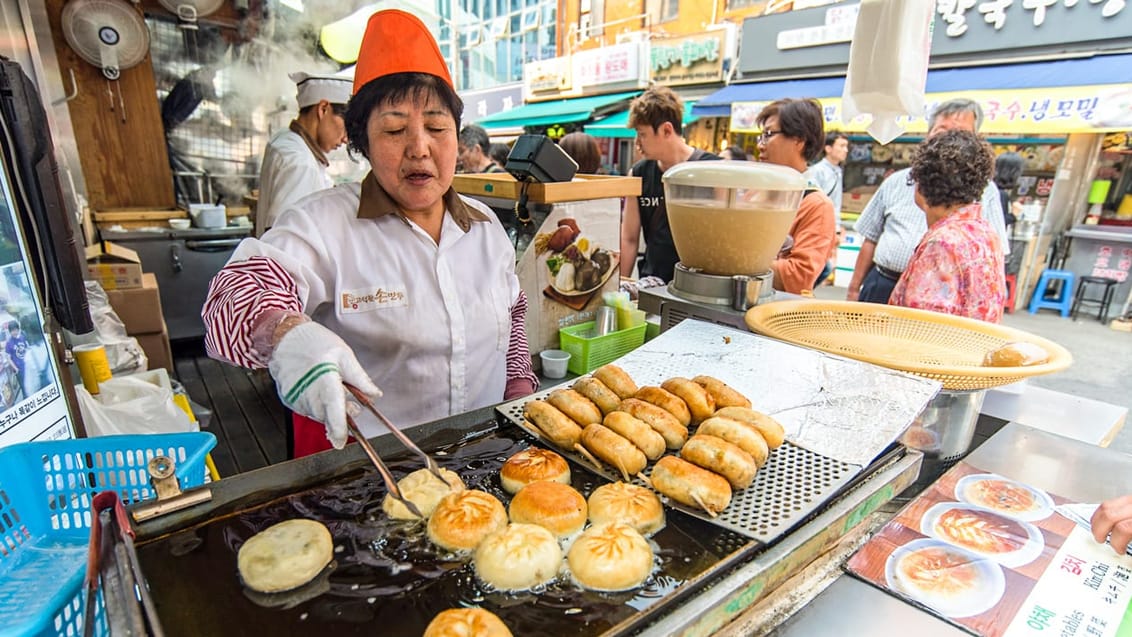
(892, 224)
(474, 151)
(657, 115)
(793, 133)
(295, 161)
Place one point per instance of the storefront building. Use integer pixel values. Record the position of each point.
(564, 94)
(1053, 81)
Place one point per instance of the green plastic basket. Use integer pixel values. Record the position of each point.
(588, 353)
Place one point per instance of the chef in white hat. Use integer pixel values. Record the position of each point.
(294, 162)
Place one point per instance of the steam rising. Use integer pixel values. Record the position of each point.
(250, 97)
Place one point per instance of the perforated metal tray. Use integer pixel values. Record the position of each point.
(789, 488)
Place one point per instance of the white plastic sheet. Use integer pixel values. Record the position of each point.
(888, 64)
(136, 404)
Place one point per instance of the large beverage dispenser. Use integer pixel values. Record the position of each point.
(729, 221)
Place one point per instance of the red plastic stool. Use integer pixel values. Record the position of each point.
(1011, 290)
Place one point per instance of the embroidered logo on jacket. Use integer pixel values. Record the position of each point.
(369, 299)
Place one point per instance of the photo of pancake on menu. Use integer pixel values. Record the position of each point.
(993, 556)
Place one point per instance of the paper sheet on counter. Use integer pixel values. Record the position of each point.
(838, 407)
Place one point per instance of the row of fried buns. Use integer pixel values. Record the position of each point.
(607, 417)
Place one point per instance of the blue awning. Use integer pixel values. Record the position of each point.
(1104, 69)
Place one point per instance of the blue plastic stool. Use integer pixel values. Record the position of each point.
(1064, 299)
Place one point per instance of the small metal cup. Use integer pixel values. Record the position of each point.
(605, 322)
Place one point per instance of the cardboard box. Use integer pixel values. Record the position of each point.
(113, 266)
(156, 348)
(855, 202)
(139, 308)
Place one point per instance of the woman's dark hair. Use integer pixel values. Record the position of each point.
(584, 150)
(801, 119)
(394, 88)
(952, 168)
(737, 153)
(1007, 170)
(499, 153)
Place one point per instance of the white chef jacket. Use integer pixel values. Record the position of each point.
(431, 324)
(289, 172)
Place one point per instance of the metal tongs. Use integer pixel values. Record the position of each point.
(113, 562)
(390, 482)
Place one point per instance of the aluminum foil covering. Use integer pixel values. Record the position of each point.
(837, 407)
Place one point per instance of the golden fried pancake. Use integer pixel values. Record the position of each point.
(466, 622)
(422, 489)
(518, 558)
(623, 502)
(610, 557)
(556, 507)
(463, 519)
(532, 465)
(285, 555)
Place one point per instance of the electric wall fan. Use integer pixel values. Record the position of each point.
(110, 34)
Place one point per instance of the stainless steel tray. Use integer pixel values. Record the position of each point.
(792, 485)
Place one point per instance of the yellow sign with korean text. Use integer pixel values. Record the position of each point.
(1056, 110)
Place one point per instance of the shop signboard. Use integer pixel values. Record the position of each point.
(816, 40)
(547, 79)
(1057, 110)
(695, 59)
(588, 72)
(610, 67)
(1112, 262)
(500, 99)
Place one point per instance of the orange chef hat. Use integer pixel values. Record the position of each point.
(398, 42)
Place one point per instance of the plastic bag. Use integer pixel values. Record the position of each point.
(123, 352)
(137, 404)
(888, 64)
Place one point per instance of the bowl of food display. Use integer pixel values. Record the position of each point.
(1009, 542)
(950, 580)
(1004, 496)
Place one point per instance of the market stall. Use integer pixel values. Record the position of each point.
(814, 489)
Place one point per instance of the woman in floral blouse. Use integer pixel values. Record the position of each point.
(958, 266)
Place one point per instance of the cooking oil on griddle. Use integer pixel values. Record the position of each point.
(388, 579)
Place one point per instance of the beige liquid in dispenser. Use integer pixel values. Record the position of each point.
(727, 241)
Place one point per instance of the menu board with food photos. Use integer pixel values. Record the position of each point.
(571, 262)
(991, 555)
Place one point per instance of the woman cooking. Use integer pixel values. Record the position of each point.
(397, 281)
(958, 266)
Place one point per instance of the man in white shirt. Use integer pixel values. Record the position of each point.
(826, 174)
(294, 161)
(892, 224)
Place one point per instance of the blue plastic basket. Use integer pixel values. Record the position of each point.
(46, 490)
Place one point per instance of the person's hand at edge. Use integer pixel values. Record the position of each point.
(1114, 518)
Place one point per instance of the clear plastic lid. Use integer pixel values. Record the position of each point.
(735, 174)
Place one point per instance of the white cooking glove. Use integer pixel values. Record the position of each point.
(309, 365)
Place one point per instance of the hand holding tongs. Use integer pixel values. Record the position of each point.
(390, 482)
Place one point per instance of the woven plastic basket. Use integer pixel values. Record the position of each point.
(46, 490)
(943, 347)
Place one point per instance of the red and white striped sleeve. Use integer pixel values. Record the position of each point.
(239, 295)
(521, 378)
